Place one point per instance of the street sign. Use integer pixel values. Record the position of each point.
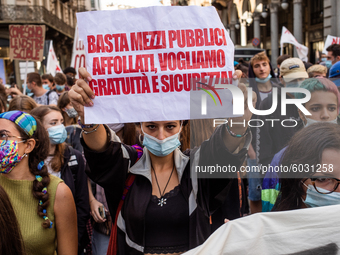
(255, 42)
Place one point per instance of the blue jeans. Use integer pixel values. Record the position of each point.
(100, 242)
(254, 182)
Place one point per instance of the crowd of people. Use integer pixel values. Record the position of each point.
(129, 188)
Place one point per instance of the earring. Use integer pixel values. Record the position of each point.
(139, 138)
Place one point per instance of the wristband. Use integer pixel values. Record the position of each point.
(91, 131)
(84, 125)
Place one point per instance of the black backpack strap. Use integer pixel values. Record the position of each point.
(73, 163)
(48, 96)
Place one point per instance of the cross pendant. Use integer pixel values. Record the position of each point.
(162, 201)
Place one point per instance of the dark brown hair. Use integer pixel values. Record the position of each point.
(47, 77)
(38, 154)
(34, 77)
(243, 69)
(129, 133)
(60, 78)
(305, 147)
(22, 103)
(3, 104)
(200, 130)
(185, 136)
(282, 58)
(3, 94)
(335, 49)
(63, 101)
(10, 235)
(58, 158)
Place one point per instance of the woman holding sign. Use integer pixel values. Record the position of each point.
(165, 208)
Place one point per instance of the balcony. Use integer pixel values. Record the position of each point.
(34, 15)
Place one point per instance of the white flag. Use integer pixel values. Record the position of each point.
(287, 37)
(78, 53)
(52, 66)
(329, 41)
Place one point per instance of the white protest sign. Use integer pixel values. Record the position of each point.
(329, 41)
(287, 37)
(78, 53)
(52, 65)
(304, 231)
(143, 61)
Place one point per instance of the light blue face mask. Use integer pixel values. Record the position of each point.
(328, 63)
(28, 91)
(263, 80)
(45, 86)
(315, 199)
(161, 148)
(324, 59)
(57, 134)
(60, 87)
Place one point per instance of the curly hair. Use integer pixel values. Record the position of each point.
(38, 154)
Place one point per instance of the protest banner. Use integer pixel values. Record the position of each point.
(287, 37)
(52, 65)
(26, 42)
(329, 41)
(78, 53)
(144, 62)
(303, 231)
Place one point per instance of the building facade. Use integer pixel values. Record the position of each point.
(310, 21)
(57, 15)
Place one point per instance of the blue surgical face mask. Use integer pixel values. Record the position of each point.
(161, 148)
(315, 199)
(328, 64)
(60, 87)
(45, 86)
(28, 91)
(324, 59)
(263, 80)
(57, 134)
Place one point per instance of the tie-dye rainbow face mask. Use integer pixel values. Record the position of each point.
(9, 156)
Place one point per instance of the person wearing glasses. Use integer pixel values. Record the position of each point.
(43, 204)
(315, 150)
